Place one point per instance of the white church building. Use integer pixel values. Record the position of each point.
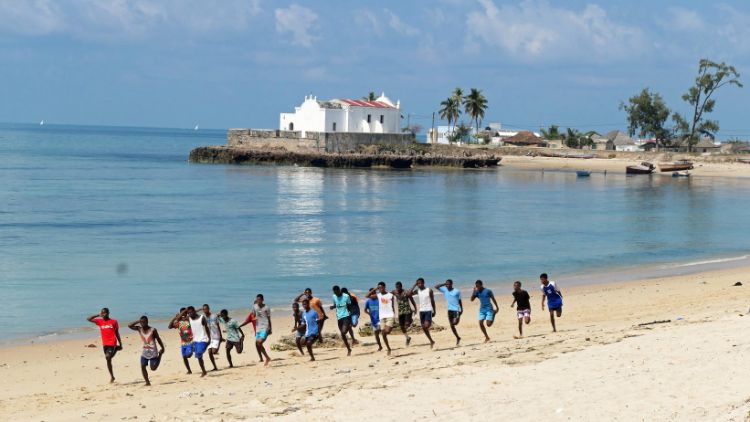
(344, 115)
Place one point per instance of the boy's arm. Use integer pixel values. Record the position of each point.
(205, 327)
(461, 306)
(432, 300)
(372, 294)
(414, 304)
(438, 286)
(175, 321)
(474, 294)
(92, 318)
(270, 330)
(242, 333)
(497, 307)
(514, 302)
(135, 325)
(542, 302)
(117, 334)
(299, 298)
(158, 340)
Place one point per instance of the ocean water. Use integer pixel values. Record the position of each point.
(117, 217)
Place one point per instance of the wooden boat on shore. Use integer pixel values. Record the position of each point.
(583, 173)
(643, 168)
(743, 160)
(679, 165)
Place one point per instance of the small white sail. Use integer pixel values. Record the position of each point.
(196, 127)
(41, 123)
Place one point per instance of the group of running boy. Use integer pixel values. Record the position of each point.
(201, 332)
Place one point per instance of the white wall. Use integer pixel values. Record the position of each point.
(311, 117)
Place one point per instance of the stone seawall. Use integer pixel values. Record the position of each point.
(332, 142)
(244, 155)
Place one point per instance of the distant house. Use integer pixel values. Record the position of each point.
(600, 142)
(525, 138)
(704, 145)
(443, 134)
(619, 141)
(649, 145)
(555, 143)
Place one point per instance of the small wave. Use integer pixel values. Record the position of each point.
(709, 261)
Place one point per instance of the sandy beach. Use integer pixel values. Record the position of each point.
(617, 165)
(660, 349)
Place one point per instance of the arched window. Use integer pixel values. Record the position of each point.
(334, 126)
(291, 125)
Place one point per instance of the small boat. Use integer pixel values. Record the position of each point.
(684, 173)
(743, 160)
(583, 173)
(678, 165)
(643, 168)
(196, 127)
(41, 123)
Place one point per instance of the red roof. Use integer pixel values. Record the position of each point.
(365, 103)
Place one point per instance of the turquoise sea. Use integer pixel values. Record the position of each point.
(117, 217)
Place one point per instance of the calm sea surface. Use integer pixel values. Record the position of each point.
(117, 217)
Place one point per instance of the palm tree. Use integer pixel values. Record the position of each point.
(552, 133)
(449, 111)
(475, 105)
(370, 97)
(458, 96)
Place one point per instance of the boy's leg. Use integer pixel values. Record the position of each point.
(144, 372)
(520, 327)
(552, 320)
(154, 363)
(320, 330)
(309, 343)
(298, 340)
(386, 330)
(108, 357)
(377, 340)
(229, 354)
(484, 330)
(344, 328)
(211, 358)
(262, 351)
(187, 365)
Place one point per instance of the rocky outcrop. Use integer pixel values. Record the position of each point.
(396, 160)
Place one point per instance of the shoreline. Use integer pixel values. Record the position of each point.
(628, 337)
(587, 279)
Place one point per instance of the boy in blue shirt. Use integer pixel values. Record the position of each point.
(486, 310)
(310, 316)
(372, 307)
(341, 303)
(554, 299)
(455, 306)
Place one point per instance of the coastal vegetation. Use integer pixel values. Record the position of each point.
(647, 112)
(474, 104)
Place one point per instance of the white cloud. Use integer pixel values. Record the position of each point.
(538, 31)
(299, 21)
(364, 17)
(111, 19)
(399, 26)
(681, 19)
(34, 17)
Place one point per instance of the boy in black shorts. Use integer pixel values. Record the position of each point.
(523, 311)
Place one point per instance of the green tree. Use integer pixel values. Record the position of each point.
(711, 77)
(461, 133)
(647, 114)
(450, 111)
(552, 133)
(370, 97)
(458, 96)
(475, 105)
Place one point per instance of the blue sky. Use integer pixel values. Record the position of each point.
(238, 63)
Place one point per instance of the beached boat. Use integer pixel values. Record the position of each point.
(684, 173)
(679, 165)
(743, 160)
(643, 168)
(583, 173)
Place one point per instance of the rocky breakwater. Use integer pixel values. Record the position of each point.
(389, 156)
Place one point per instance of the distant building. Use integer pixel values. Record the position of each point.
(600, 142)
(704, 145)
(442, 134)
(525, 138)
(619, 141)
(344, 115)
